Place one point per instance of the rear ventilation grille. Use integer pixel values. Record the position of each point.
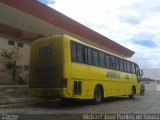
(77, 87)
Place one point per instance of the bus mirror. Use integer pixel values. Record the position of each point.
(141, 72)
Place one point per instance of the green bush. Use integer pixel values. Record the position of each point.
(21, 81)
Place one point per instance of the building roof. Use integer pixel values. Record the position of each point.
(59, 21)
(146, 80)
(17, 33)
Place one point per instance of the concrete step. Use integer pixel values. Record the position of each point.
(13, 88)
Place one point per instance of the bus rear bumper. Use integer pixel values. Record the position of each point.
(48, 92)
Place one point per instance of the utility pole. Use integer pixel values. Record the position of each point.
(155, 79)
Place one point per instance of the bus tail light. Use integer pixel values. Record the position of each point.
(64, 83)
(77, 87)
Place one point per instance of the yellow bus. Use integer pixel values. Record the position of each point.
(62, 66)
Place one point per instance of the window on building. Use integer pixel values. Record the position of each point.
(10, 42)
(19, 67)
(19, 44)
(26, 67)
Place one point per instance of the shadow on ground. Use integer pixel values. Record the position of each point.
(59, 104)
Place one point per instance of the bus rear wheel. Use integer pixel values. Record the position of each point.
(98, 95)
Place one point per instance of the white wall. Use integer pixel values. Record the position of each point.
(158, 87)
(150, 87)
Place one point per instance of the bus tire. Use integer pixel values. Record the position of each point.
(98, 95)
(131, 96)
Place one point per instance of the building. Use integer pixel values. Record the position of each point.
(23, 21)
(151, 79)
(22, 49)
(151, 84)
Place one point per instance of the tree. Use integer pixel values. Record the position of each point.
(10, 61)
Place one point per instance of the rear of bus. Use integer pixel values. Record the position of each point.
(47, 65)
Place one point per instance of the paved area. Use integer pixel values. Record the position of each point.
(148, 104)
(13, 95)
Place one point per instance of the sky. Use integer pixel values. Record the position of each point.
(134, 24)
(152, 73)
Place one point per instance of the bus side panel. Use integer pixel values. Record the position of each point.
(75, 72)
(112, 86)
(66, 78)
(97, 77)
(80, 73)
(89, 76)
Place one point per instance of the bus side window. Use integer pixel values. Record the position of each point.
(80, 53)
(121, 64)
(86, 55)
(95, 58)
(125, 66)
(74, 51)
(90, 60)
(128, 67)
(101, 59)
(117, 63)
(112, 62)
(133, 68)
(107, 61)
